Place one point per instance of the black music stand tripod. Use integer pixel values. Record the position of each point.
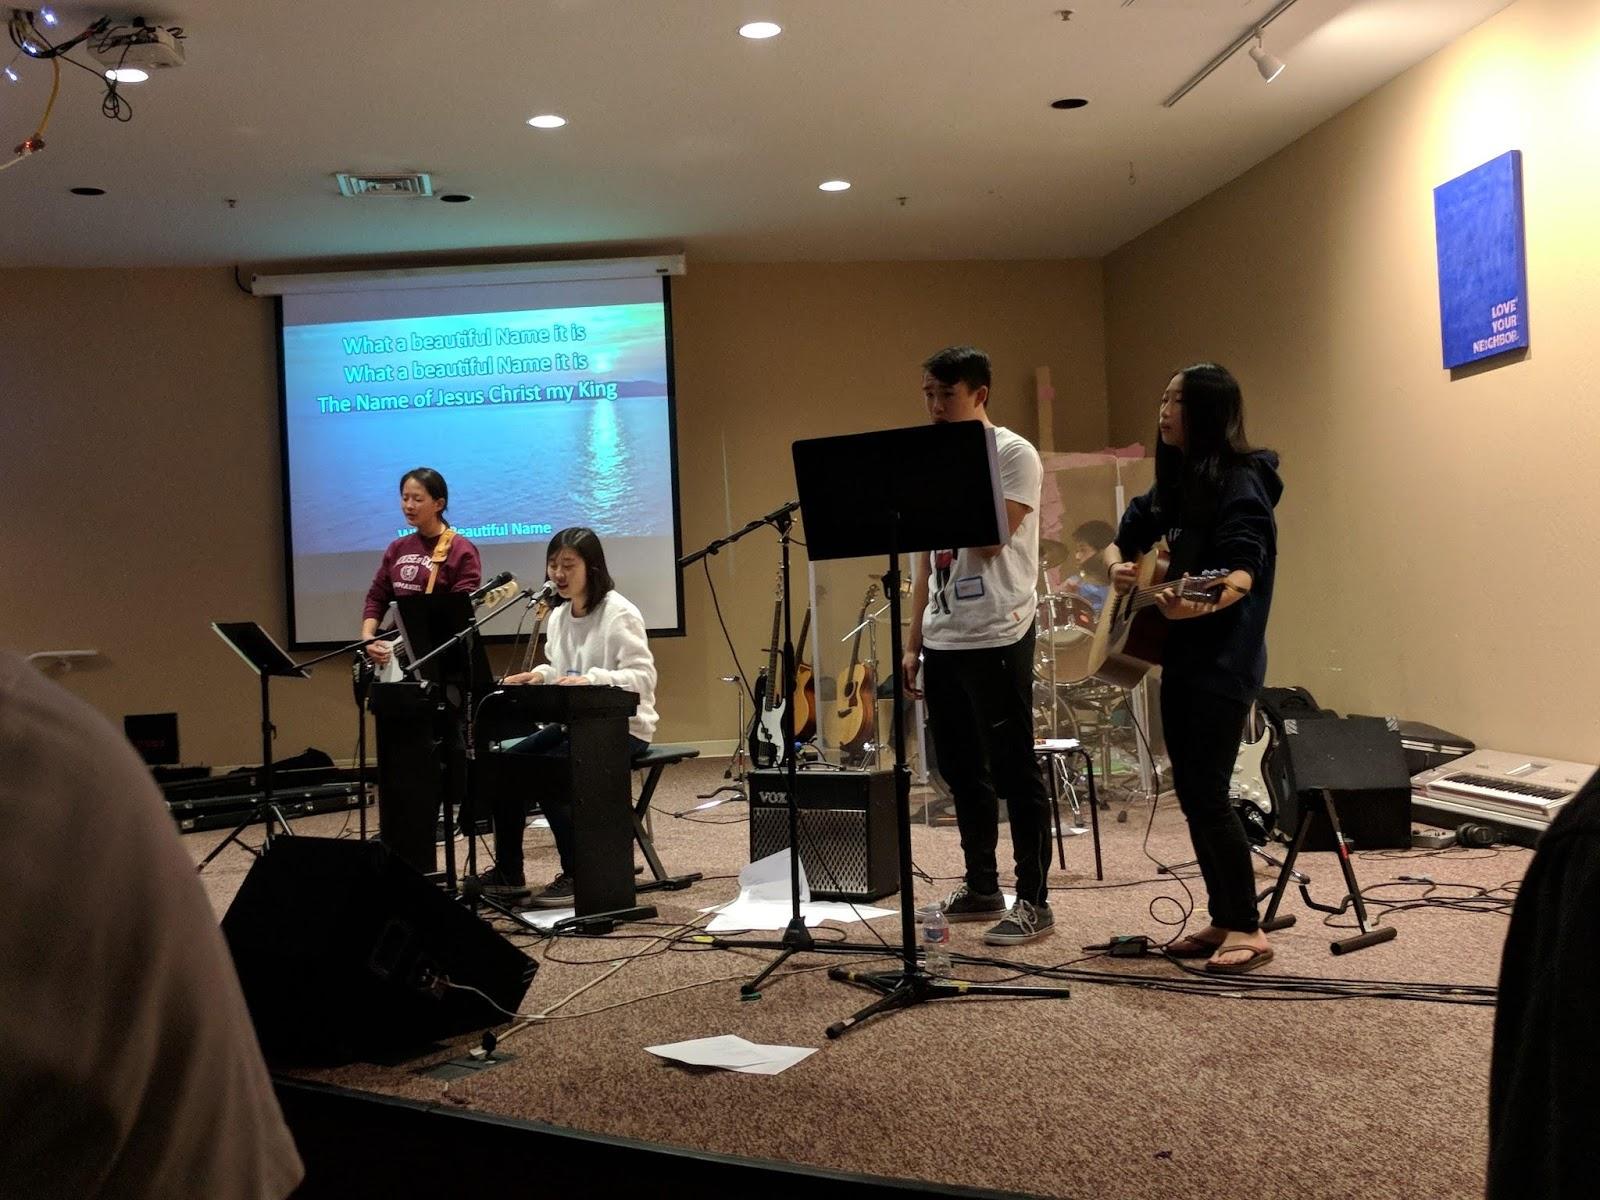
(266, 658)
(943, 491)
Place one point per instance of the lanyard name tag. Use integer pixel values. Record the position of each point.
(970, 588)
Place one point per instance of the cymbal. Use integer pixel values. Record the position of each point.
(1052, 553)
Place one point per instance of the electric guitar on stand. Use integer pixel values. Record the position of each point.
(1248, 790)
(766, 727)
(856, 720)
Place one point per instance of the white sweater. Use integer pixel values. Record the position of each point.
(606, 646)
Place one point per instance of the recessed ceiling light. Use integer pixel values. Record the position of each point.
(87, 191)
(1070, 102)
(127, 75)
(834, 185)
(547, 121)
(455, 198)
(759, 30)
(12, 76)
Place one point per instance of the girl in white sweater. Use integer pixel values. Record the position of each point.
(596, 636)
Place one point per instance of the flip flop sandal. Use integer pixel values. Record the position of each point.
(1258, 957)
(1190, 946)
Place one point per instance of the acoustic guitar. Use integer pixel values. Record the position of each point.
(856, 719)
(1130, 632)
(805, 689)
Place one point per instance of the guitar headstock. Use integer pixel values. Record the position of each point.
(500, 594)
(1203, 586)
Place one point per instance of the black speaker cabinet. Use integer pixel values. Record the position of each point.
(345, 951)
(1361, 761)
(847, 830)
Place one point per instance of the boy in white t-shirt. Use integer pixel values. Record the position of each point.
(972, 626)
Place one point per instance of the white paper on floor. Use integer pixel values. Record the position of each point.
(733, 1053)
(764, 900)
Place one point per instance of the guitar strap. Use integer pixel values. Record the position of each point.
(441, 551)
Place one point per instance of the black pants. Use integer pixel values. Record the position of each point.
(1203, 733)
(544, 770)
(980, 709)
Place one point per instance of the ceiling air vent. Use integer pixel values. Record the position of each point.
(409, 183)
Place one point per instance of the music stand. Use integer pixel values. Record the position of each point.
(941, 492)
(266, 658)
(438, 631)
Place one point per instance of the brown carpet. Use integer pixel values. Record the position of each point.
(1117, 1091)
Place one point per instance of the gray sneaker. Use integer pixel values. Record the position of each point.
(965, 904)
(1024, 923)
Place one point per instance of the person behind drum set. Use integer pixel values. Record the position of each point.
(595, 636)
(1213, 501)
(433, 559)
(1093, 578)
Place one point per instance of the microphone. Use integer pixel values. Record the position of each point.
(547, 593)
(502, 578)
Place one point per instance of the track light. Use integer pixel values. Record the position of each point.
(1270, 65)
(1267, 64)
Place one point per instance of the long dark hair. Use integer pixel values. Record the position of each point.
(586, 543)
(431, 482)
(1214, 441)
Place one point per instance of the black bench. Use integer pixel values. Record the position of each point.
(653, 761)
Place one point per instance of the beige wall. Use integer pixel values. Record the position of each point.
(139, 450)
(1440, 537)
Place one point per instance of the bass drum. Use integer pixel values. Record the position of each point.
(1065, 633)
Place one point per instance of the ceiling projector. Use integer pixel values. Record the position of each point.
(147, 47)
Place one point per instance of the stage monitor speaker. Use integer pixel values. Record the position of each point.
(1361, 761)
(344, 951)
(847, 829)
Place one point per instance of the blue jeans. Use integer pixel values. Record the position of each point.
(551, 743)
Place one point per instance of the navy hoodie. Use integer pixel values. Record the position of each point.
(1224, 653)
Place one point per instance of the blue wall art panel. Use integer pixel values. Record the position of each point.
(1483, 265)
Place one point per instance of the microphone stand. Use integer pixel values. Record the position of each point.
(796, 937)
(469, 715)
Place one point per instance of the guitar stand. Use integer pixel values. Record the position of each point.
(737, 768)
(1368, 935)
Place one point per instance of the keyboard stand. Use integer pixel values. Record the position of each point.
(1368, 935)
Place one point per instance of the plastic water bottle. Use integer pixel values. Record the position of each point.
(935, 941)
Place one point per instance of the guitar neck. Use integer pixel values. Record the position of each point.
(774, 684)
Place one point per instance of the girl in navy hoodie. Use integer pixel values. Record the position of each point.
(1212, 501)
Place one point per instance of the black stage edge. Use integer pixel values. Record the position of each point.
(365, 1144)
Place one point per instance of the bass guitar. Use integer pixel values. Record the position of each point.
(856, 719)
(805, 689)
(766, 727)
(364, 671)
